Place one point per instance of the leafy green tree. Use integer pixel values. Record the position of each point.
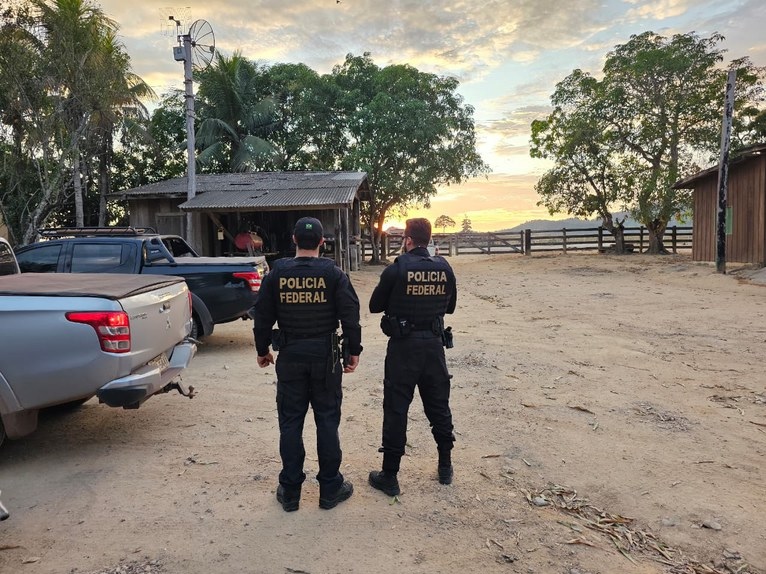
(466, 225)
(654, 114)
(408, 130)
(73, 51)
(237, 118)
(444, 221)
(308, 132)
(589, 177)
(155, 151)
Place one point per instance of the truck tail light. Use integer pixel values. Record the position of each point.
(253, 279)
(191, 305)
(112, 328)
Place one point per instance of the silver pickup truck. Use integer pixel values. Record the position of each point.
(66, 338)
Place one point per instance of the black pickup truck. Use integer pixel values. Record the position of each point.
(223, 288)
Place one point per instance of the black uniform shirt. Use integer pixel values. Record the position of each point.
(391, 276)
(342, 299)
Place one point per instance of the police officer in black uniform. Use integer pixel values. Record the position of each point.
(307, 295)
(415, 293)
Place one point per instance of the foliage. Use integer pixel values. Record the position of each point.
(465, 226)
(65, 89)
(408, 130)
(626, 139)
(444, 221)
(236, 117)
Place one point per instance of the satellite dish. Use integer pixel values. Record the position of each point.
(202, 43)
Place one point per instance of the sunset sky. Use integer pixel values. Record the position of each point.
(507, 54)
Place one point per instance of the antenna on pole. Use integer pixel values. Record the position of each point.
(195, 49)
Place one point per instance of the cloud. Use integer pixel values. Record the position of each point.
(659, 9)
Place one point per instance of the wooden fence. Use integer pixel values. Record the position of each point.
(529, 241)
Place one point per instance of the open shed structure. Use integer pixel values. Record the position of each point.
(745, 208)
(268, 203)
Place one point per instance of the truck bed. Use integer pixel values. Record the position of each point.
(105, 285)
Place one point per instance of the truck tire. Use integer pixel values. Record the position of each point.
(196, 329)
(2, 433)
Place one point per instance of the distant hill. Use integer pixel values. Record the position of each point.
(576, 223)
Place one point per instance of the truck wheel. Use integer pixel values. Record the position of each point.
(196, 330)
(2, 433)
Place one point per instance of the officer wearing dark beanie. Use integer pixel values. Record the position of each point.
(308, 296)
(415, 293)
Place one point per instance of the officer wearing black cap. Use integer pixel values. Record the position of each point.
(308, 295)
(415, 293)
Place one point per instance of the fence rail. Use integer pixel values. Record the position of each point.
(530, 241)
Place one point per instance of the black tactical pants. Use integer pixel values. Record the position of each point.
(301, 383)
(417, 360)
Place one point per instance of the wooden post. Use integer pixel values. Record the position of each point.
(527, 242)
(641, 239)
(723, 172)
(564, 238)
(674, 239)
(600, 239)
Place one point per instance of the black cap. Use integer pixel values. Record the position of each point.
(308, 230)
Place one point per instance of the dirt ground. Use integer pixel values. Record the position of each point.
(610, 415)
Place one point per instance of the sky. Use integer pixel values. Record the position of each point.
(508, 56)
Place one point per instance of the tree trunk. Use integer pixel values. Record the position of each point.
(656, 230)
(77, 181)
(103, 177)
(375, 241)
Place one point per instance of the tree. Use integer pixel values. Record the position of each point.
(466, 225)
(65, 86)
(588, 177)
(629, 137)
(408, 130)
(237, 116)
(444, 221)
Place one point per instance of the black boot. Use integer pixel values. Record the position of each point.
(289, 499)
(445, 466)
(331, 501)
(385, 481)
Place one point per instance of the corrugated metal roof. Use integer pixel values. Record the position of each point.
(261, 190)
(743, 155)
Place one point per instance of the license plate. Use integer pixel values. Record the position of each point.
(160, 361)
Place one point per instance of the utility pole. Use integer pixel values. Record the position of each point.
(191, 160)
(723, 173)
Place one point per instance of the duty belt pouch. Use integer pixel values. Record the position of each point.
(276, 339)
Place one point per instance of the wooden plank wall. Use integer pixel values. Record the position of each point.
(747, 199)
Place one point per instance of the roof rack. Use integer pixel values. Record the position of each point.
(95, 231)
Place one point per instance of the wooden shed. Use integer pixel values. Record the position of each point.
(745, 208)
(267, 202)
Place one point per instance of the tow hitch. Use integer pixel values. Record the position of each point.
(185, 390)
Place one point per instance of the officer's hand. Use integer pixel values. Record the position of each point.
(353, 362)
(265, 360)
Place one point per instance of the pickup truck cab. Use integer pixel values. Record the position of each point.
(223, 288)
(67, 338)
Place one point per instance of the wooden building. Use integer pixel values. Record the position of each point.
(745, 208)
(266, 202)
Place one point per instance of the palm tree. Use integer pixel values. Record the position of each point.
(73, 36)
(232, 135)
(118, 105)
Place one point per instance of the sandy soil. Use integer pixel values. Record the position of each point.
(610, 415)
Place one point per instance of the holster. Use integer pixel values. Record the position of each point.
(447, 338)
(335, 352)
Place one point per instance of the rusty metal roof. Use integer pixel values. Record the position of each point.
(263, 191)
